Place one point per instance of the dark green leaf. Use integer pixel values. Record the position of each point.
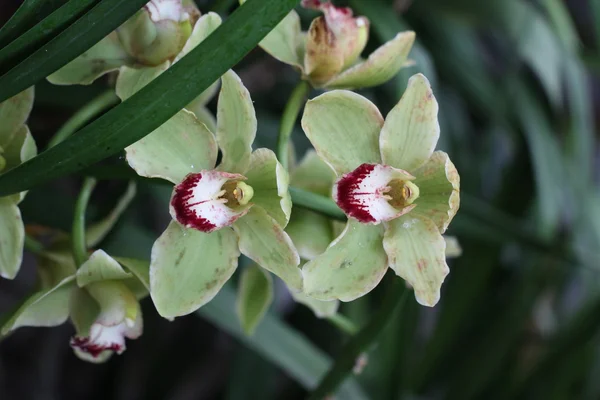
(29, 14)
(157, 102)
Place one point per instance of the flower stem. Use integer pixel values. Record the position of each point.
(343, 323)
(316, 202)
(394, 300)
(33, 245)
(288, 119)
(78, 231)
(82, 116)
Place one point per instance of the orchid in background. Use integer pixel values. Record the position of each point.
(16, 146)
(218, 211)
(328, 55)
(398, 193)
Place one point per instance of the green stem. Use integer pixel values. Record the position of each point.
(288, 119)
(392, 305)
(316, 202)
(33, 245)
(343, 323)
(78, 231)
(86, 113)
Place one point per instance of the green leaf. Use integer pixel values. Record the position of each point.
(283, 41)
(80, 36)
(263, 240)
(105, 56)
(161, 99)
(411, 129)
(43, 32)
(13, 114)
(351, 267)
(310, 232)
(189, 268)
(416, 251)
(255, 295)
(313, 174)
(439, 190)
(12, 236)
(381, 66)
(98, 231)
(100, 267)
(279, 343)
(27, 16)
(48, 307)
(344, 128)
(236, 124)
(180, 146)
(270, 182)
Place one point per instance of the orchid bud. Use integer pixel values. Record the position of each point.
(335, 40)
(157, 33)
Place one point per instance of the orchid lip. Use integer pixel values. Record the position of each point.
(374, 193)
(210, 200)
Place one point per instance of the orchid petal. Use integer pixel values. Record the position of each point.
(100, 267)
(310, 232)
(13, 114)
(21, 148)
(206, 25)
(255, 295)
(344, 129)
(416, 251)
(321, 309)
(189, 267)
(313, 174)
(12, 237)
(351, 267)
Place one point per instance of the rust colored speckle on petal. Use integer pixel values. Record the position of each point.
(346, 197)
(84, 344)
(184, 213)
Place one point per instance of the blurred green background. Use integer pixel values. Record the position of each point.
(517, 85)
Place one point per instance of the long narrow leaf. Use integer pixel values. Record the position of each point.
(76, 39)
(29, 14)
(157, 102)
(43, 32)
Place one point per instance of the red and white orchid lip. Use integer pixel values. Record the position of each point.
(375, 193)
(102, 338)
(210, 200)
(161, 10)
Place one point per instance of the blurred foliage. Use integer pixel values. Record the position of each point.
(517, 84)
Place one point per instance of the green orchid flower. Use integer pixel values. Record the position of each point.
(16, 146)
(398, 193)
(328, 55)
(240, 206)
(101, 298)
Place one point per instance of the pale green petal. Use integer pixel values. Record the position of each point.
(117, 303)
(265, 242)
(98, 231)
(282, 42)
(324, 53)
(49, 307)
(416, 251)
(321, 309)
(13, 114)
(351, 267)
(382, 65)
(344, 129)
(12, 236)
(55, 265)
(84, 310)
(453, 248)
(313, 174)
(204, 115)
(100, 267)
(411, 129)
(310, 232)
(236, 124)
(178, 147)
(105, 56)
(131, 80)
(21, 148)
(189, 267)
(439, 188)
(270, 182)
(206, 25)
(140, 268)
(255, 295)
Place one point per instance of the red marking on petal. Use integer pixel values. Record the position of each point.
(183, 212)
(346, 193)
(84, 344)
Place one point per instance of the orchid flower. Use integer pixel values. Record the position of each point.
(16, 146)
(398, 193)
(328, 55)
(241, 205)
